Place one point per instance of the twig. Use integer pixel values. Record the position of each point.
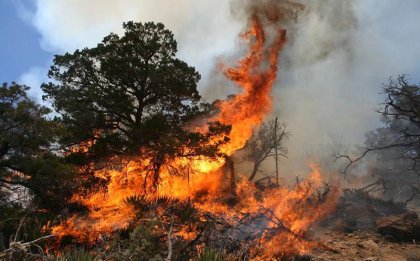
(18, 229)
(170, 250)
(16, 245)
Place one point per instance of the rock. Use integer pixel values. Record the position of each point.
(402, 228)
(371, 259)
(370, 244)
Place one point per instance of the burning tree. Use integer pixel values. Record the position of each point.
(192, 206)
(135, 121)
(130, 116)
(130, 95)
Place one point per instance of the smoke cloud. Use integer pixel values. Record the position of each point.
(338, 55)
(330, 82)
(204, 30)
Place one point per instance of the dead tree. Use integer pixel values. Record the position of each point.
(400, 114)
(268, 141)
(276, 151)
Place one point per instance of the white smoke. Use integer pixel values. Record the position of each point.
(204, 30)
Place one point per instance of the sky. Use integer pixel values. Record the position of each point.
(338, 55)
(20, 48)
(38, 29)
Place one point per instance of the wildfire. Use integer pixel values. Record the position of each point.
(255, 74)
(290, 208)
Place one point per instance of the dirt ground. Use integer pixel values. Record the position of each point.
(365, 246)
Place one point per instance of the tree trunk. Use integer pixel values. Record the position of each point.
(170, 243)
(254, 171)
(2, 242)
(276, 151)
(231, 168)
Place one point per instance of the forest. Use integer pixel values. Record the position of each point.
(125, 160)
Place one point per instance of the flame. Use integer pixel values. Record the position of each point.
(255, 75)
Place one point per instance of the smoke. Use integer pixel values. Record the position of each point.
(337, 56)
(203, 29)
(329, 87)
(323, 99)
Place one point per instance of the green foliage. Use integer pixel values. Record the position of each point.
(22, 225)
(33, 226)
(209, 254)
(130, 89)
(155, 217)
(10, 215)
(131, 95)
(77, 254)
(183, 210)
(143, 244)
(27, 150)
(364, 198)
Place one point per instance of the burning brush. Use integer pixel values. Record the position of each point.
(196, 208)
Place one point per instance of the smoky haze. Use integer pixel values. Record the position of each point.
(337, 56)
(332, 72)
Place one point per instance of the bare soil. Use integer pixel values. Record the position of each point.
(365, 246)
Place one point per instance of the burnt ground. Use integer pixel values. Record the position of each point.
(365, 245)
(368, 228)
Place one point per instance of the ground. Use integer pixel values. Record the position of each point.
(365, 246)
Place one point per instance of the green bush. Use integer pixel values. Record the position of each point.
(77, 254)
(209, 254)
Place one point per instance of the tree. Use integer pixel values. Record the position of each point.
(392, 170)
(130, 95)
(396, 146)
(268, 141)
(27, 157)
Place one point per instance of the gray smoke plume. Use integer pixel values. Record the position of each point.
(338, 55)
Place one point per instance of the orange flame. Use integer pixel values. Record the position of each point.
(255, 74)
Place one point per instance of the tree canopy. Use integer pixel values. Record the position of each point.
(27, 140)
(131, 95)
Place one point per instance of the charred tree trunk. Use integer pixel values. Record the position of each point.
(170, 243)
(230, 165)
(255, 170)
(276, 151)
